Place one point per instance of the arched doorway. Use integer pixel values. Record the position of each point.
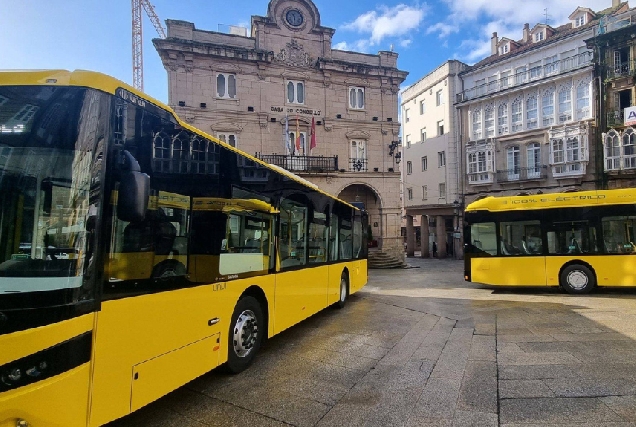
(363, 195)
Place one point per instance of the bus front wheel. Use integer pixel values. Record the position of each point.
(577, 279)
(245, 335)
(344, 291)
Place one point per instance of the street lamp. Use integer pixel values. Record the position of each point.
(392, 147)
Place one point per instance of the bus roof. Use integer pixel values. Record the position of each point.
(555, 200)
(108, 84)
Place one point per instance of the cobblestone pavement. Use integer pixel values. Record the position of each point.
(421, 347)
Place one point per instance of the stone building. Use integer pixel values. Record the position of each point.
(431, 174)
(527, 112)
(265, 92)
(614, 50)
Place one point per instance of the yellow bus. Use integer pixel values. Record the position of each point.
(575, 240)
(137, 253)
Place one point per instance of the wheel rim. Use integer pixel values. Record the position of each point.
(343, 290)
(245, 333)
(577, 280)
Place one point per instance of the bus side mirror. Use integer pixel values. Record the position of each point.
(134, 189)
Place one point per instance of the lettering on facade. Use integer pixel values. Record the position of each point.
(556, 199)
(295, 110)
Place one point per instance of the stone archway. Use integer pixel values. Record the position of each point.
(370, 198)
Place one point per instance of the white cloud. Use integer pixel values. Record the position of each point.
(443, 30)
(406, 43)
(387, 22)
(356, 46)
(341, 46)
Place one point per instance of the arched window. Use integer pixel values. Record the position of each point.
(547, 107)
(565, 104)
(629, 148)
(517, 115)
(583, 100)
(489, 121)
(531, 112)
(513, 164)
(502, 119)
(477, 125)
(612, 143)
(533, 153)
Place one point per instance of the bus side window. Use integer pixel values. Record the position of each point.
(618, 234)
(292, 245)
(318, 238)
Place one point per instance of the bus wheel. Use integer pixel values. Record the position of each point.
(344, 291)
(577, 279)
(246, 334)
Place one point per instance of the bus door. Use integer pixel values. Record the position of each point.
(522, 260)
(568, 240)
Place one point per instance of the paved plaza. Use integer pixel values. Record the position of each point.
(421, 347)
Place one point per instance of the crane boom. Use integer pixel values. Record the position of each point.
(137, 37)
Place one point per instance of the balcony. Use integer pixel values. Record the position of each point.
(559, 67)
(615, 118)
(621, 69)
(309, 164)
(522, 174)
(358, 165)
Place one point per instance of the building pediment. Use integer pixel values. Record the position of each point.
(233, 127)
(358, 134)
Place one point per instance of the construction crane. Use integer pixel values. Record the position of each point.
(137, 38)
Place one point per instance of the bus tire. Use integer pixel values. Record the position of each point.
(245, 334)
(577, 279)
(344, 291)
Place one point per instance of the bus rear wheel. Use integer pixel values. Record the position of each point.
(577, 279)
(344, 291)
(245, 335)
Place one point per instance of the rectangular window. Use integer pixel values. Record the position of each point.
(571, 237)
(517, 116)
(295, 92)
(358, 159)
(441, 158)
(551, 64)
(477, 125)
(409, 168)
(423, 135)
(424, 163)
(298, 146)
(538, 37)
(535, 70)
(424, 192)
(520, 238)
(531, 113)
(442, 190)
(483, 238)
(408, 141)
(618, 234)
(293, 233)
(521, 75)
(226, 85)
(565, 105)
(409, 193)
(502, 119)
(440, 127)
(356, 98)
(489, 122)
(439, 99)
(582, 101)
(547, 108)
(422, 107)
(504, 79)
(229, 138)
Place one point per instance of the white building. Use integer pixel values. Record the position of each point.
(431, 173)
(527, 112)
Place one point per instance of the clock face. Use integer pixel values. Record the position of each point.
(294, 18)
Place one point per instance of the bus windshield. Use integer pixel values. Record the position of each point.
(49, 186)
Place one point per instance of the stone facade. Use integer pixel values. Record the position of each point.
(249, 90)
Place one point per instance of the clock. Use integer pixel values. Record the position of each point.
(294, 18)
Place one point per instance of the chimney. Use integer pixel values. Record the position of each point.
(526, 32)
(493, 43)
(615, 3)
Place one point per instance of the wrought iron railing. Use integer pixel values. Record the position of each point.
(554, 68)
(615, 118)
(627, 68)
(358, 165)
(311, 164)
(522, 174)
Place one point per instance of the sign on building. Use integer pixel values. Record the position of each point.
(630, 116)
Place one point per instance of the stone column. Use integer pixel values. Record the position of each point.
(425, 236)
(440, 224)
(410, 236)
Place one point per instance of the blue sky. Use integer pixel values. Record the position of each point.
(96, 35)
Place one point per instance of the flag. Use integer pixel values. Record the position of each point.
(312, 145)
(297, 135)
(286, 137)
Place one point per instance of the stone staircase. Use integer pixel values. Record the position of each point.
(379, 259)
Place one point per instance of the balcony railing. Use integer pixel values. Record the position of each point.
(559, 67)
(615, 118)
(358, 165)
(310, 164)
(627, 68)
(522, 174)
